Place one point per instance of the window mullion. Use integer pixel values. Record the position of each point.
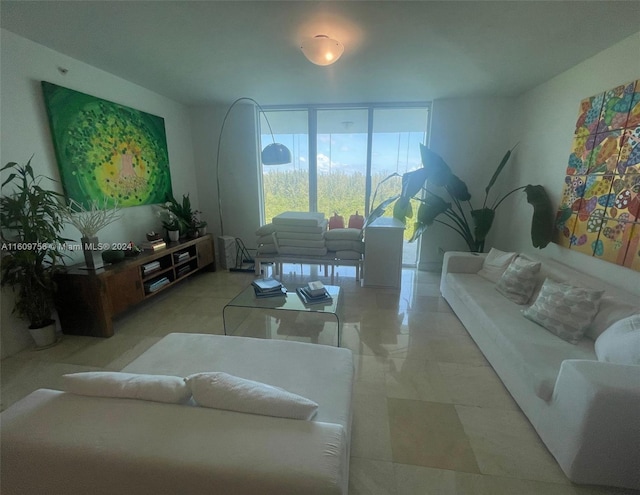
(367, 189)
(313, 159)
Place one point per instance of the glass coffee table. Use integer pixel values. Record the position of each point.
(291, 302)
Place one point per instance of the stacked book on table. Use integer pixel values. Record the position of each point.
(268, 287)
(314, 293)
(156, 245)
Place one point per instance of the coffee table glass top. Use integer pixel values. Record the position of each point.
(290, 302)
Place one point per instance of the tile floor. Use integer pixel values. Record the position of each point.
(430, 415)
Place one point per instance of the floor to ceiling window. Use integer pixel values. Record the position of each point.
(342, 161)
(286, 187)
(340, 155)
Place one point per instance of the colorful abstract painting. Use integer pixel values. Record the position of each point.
(599, 214)
(106, 151)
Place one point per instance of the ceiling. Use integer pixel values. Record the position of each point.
(199, 52)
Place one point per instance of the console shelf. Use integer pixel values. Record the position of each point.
(87, 300)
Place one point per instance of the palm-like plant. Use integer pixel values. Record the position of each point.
(32, 247)
(471, 224)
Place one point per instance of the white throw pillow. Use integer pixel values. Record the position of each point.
(519, 280)
(611, 310)
(495, 264)
(223, 391)
(620, 343)
(157, 388)
(564, 310)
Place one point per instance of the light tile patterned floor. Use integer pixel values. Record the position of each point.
(430, 414)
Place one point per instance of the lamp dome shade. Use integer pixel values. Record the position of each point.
(276, 154)
(322, 50)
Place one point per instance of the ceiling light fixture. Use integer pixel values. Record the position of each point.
(322, 50)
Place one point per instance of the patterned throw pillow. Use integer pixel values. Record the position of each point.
(519, 280)
(564, 310)
(495, 264)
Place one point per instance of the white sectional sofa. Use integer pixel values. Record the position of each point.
(586, 411)
(61, 443)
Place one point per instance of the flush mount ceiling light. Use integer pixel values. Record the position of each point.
(322, 50)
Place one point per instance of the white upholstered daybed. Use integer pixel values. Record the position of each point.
(60, 443)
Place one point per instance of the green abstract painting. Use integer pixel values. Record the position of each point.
(106, 150)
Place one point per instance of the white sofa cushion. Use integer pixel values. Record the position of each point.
(519, 280)
(220, 390)
(344, 245)
(266, 229)
(620, 343)
(265, 239)
(157, 388)
(495, 264)
(343, 235)
(59, 443)
(298, 219)
(564, 310)
(323, 374)
(534, 352)
(348, 255)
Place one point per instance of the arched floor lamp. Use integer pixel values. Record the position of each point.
(272, 154)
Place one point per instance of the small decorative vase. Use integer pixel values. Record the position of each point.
(202, 231)
(174, 235)
(92, 255)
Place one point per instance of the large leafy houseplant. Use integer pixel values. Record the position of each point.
(32, 246)
(429, 184)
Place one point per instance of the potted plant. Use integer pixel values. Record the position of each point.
(172, 226)
(32, 248)
(202, 228)
(471, 224)
(183, 214)
(89, 222)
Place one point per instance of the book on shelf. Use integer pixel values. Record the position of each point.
(183, 270)
(153, 245)
(150, 267)
(178, 257)
(156, 284)
(309, 299)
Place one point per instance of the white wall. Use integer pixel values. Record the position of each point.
(471, 135)
(544, 122)
(239, 171)
(24, 132)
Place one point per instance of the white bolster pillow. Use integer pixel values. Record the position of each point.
(220, 390)
(157, 388)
